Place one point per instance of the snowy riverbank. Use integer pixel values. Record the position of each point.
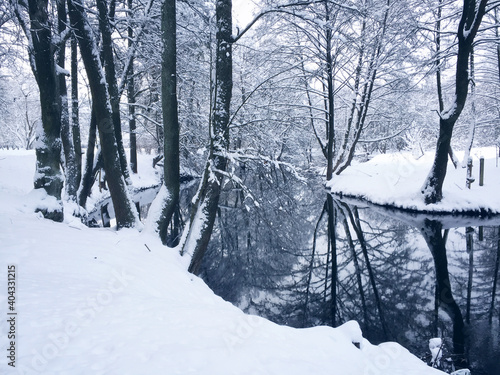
(97, 301)
(396, 180)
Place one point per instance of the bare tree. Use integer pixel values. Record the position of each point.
(171, 172)
(126, 215)
(41, 50)
(472, 15)
(207, 199)
(71, 166)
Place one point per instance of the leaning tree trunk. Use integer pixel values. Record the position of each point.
(432, 189)
(171, 171)
(203, 219)
(70, 164)
(48, 150)
(126, 215)
(110, 74)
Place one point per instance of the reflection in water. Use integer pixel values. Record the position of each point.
(403, 277)
(432, 232)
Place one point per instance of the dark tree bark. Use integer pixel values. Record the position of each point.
(71, 168)
(75, 119)
(432, 189)
(110, 73)
(439, 85)
(131, 94)
(205, 211)
(88, 175)
(48, 150)
(171, 171)
(330, 133)
(126, 215)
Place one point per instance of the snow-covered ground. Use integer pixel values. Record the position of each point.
(396, 179)
(97, 301)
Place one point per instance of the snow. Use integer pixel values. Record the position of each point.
(101, 301)
(61, 70)
(436, 350)
(396, 180)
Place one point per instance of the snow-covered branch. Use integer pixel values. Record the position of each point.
(283, 9)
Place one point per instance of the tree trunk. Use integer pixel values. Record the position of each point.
(131, 95)
(75, 121)
(88, 175)
(439, 85)
(432, 189)
(208, 197)
(70, 170)
(125, 212)
(330, 134)
(472, 125)
(48, 150)
(110, 73)
(171, 163)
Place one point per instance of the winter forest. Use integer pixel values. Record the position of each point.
(317, 163)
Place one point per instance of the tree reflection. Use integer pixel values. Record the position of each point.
(432, 233)
(317, 261)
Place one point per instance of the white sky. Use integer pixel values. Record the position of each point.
(243, 12)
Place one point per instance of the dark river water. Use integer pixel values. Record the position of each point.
(403, 277)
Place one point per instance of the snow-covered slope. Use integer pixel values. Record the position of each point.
(396, 179)
(97, 301)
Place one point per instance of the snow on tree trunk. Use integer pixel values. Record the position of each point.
(171, 171)
(330, 133)
(75, 121)
(48, 144)
(472, 125)
(88, 175)
(70, 164)
(205, 210)
(131, 93)
(432, 189)
(125, 212)
(110, 74)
